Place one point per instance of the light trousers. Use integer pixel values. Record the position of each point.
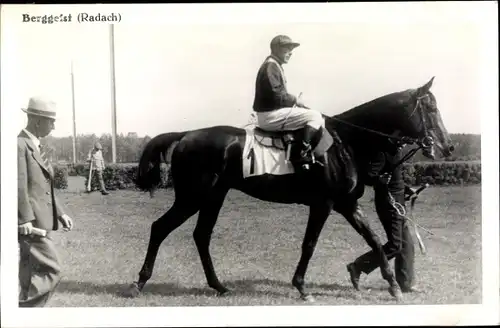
(289, 119)
(39, 270)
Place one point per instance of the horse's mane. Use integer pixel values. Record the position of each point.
(364, 116)
(382, 102)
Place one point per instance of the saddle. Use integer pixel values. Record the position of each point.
(258, 161)
(289, 140)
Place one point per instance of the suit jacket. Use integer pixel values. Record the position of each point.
(37, 202)
(270, 88)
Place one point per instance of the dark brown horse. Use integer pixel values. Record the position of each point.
(207, 163)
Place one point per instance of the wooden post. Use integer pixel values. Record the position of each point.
(74, 112)
(113, 89)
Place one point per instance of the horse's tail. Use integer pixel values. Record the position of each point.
(158, 148)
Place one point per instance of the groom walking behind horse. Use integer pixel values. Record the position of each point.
(389, 187)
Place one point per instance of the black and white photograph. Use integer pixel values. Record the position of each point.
(277, 164)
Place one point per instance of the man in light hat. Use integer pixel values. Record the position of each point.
(95, 156)
(38, 208)
(278, 110)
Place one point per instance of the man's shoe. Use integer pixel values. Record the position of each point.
(412, 289)
(355, 274)
(104, 192)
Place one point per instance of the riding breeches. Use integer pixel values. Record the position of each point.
(289, 118)
(39, 270)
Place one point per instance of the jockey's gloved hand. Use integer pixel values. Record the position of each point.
(410, 193)
(385, 178)
(299, 103)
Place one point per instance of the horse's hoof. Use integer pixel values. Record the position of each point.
(308, 298)
(354, 275)
(223, 293)
(133, 290)
(396, 293)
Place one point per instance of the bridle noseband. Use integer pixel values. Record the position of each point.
(427, 141)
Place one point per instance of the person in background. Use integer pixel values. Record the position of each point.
(38, 208)
(95, 157)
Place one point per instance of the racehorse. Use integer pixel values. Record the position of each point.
(206, 163)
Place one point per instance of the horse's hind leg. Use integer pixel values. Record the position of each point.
(361, 225)
(160, 229)
(209, 213)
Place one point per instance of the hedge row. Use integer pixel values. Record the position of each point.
(60, 177)
(442, 173)
(122, 176)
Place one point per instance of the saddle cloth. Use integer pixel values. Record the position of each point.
(264, 156)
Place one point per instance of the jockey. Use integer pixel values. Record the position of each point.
(278, 110)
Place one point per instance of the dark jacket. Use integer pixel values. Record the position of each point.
(382, 162)
(270, 88)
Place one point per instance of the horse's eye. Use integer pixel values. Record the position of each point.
(431, 107)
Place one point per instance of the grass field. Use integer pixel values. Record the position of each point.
(255, 248)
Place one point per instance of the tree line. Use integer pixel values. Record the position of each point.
(129, 147)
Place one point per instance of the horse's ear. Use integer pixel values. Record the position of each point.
(425, 88)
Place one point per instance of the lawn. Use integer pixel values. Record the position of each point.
(255, 248)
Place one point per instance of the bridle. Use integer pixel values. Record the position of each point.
(425, 142)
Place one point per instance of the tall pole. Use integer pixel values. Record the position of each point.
(113, 89)
(74, 111)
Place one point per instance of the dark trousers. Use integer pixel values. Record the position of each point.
(399, 239)
(39, 270)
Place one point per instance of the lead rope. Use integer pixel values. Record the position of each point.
(402, 212)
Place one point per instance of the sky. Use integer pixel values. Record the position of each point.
(179, 76)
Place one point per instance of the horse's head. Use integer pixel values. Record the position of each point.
(424, 122)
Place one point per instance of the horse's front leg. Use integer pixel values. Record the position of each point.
(317, 216)
(358, 220)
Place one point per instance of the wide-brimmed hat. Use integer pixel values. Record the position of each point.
(40, 106)
(98, 145)
(282, 41)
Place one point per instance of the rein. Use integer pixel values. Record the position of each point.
(406, 140)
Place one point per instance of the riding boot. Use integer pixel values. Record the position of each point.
(306, 156)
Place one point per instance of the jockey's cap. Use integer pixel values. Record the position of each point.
(283, 40)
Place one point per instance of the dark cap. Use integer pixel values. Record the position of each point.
(283, 40)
